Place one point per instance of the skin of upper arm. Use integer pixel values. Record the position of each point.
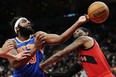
(53, 39)
(12, 51)
(5, 47)
(49, 38)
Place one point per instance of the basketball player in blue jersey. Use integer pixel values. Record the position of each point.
(28, 41)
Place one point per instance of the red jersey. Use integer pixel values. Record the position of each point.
(94, 62)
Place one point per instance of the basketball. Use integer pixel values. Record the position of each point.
(98, 12)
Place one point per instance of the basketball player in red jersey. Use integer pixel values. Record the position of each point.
(91, 57)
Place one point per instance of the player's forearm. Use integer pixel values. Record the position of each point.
(49, 61)
(68, 33)
(11, 56)
(56, 57)
(57, 39)
(7, 55)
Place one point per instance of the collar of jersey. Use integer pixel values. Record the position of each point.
(23, 41)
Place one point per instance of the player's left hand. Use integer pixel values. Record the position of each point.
(40, 35)
(83, 19)
(39, 41)
(22, 55)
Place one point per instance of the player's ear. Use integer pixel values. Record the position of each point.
(87, 33)
(17, 28)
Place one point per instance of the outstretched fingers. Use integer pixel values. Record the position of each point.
(87, 17)
(23, 55)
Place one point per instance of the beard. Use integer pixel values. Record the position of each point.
(25, 32)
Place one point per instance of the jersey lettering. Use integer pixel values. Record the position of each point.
(86, 58)
(27, 48)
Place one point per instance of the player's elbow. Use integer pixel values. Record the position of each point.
(61, 41)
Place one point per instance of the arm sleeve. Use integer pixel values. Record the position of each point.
(73, 70)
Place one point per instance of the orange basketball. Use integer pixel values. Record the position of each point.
(98, 12)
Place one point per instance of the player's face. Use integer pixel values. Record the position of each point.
(78, 33)
(25, 27)
(25, 23)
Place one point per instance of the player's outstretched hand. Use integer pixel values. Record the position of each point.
(83, 19)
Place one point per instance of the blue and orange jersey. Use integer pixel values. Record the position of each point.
(31, 69)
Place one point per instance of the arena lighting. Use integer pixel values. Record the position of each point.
(70, 15)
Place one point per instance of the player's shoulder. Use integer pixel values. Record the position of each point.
(9, 40)
(12, 41)
(87, 41)
(39, 32)
(85, 38)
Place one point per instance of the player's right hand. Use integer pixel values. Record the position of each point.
(22, 55)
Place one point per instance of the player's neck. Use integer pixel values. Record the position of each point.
(23, 38)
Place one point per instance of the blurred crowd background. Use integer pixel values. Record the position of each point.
(55, 16)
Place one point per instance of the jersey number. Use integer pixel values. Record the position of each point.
(23, 49)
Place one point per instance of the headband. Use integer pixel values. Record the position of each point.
(17, 23)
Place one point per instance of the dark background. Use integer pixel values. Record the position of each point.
(53, 16)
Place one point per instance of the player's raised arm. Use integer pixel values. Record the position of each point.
(56, 39)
